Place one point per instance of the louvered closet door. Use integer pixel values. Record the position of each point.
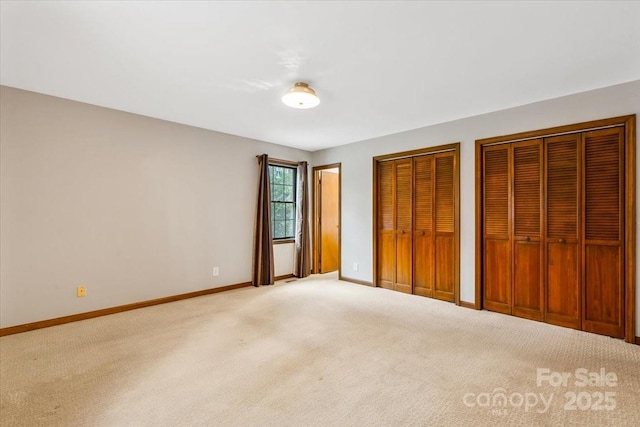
(423, 264)
(603, 291)
(445, 231)
(528, 292)
(386, 225)
(497, 244)
(404, 226)
(562, 302)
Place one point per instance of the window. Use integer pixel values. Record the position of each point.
(283, 201)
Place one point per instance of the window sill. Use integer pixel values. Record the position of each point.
(281, 241)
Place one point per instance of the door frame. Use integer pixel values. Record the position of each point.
(629, 125)
(316, 216)
(453, 147)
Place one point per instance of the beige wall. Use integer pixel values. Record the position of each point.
(131, 207)
(356, 162)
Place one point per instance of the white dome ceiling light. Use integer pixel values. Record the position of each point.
(301, 96)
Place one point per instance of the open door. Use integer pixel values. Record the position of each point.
(326, 215)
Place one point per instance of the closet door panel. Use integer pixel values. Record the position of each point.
(562, 302)
(445, 272)
(527, 288)
(562, 267)
(386, 225)
(528, 292)
(603, 291)
(496, 224)
(386, 260)
(423, 267)
(497, 274)
(445, 229)
(404, 224)
(423, 264)
(403, 262)
(527, 186)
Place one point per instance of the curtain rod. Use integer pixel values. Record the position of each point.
(274, 160)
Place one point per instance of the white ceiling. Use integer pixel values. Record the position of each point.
(378, 67)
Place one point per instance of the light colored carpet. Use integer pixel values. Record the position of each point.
(314, 352)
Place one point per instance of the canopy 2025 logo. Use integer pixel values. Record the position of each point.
(583, 397)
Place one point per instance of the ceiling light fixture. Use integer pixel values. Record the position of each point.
(301, 96)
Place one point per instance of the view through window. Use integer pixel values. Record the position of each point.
(283, 201)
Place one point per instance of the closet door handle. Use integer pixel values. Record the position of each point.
(562, 241)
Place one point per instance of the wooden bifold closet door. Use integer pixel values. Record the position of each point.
(553, 229)
(445, 231)
(528, 293)
(417, 241)
(394, 188)
(603, 232)
(423, 278)
(386, 241)
(403, 221)
(497, 239)
(512, 229)
(562, 300)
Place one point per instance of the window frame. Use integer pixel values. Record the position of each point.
(294, 167)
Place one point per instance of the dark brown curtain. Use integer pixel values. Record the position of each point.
(263, 270)
(303, 251)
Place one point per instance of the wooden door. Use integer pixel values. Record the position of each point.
(417, 219)
(404, 224)
(563, 253)
(423, 255)
(496, 225)
(602, 252)
(528, 291)
(329, 221)
(386, 245)
(556, 225)
(444, 242)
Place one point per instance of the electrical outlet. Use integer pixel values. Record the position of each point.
(355, 266)
(216, 271)
(81, 291)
